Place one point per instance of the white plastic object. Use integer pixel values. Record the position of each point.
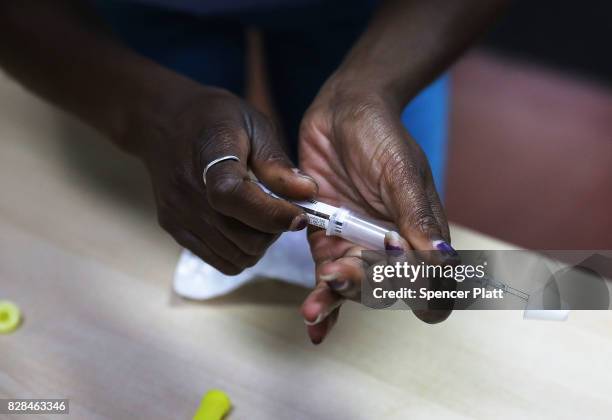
(340, 221)
(356, 229)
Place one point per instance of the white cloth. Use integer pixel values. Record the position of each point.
(288, 259)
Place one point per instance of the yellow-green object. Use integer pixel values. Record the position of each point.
(214, 406)
(10, 316)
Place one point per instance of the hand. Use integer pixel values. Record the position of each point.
(230, 222)
(355, 146)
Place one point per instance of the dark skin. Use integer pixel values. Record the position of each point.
(175, 125)
(352, 141)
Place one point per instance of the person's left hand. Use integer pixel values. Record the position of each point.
(353, 143)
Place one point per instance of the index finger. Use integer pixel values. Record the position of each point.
(230, 191)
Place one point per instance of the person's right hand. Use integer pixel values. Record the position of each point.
(230, 221)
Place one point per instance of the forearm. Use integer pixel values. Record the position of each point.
(61, 52)
(410, 42)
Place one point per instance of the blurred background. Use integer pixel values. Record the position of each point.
(530, 158)
(531, 128)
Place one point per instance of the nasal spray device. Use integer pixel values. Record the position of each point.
(340, 221)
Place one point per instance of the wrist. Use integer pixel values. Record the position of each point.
(358, 89)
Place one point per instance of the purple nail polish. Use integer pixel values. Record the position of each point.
(338, 285)
(393, 248)
(302, 224)
(299, 223)
(445, 248)
(393, 242)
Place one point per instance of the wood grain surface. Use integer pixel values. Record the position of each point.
(81, 254)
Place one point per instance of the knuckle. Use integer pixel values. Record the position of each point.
(219, 132)
(423, 220)
(223, 266)
(270, 152)
(221, 191)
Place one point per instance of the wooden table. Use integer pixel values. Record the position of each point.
(82, 255)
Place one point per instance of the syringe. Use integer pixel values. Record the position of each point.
(340, 221)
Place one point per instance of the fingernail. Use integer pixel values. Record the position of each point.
(334, 283)
(445, 248)
(318, 319)
(338, 285)
(304, 175)
(323, 315)
(393, 242)
(328, 277)
(299, 222)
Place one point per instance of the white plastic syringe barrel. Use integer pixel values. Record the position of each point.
(358, 229)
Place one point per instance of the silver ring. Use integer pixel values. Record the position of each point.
(218, 160)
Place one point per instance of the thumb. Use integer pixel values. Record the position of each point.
(415, 218)
(272, 166)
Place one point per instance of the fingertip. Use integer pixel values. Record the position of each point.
(346, 269)
(311, 311)
(317, 333)
(299, 222)
(394, 242)
(289, 182)
(432, 316)
(256, 207)
(444, 247)
(308, 183)
(422, 241)
(319, 304)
